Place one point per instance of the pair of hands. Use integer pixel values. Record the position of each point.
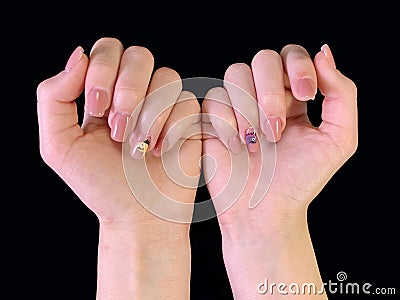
(269, 96)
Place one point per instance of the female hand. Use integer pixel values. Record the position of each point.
(264, 225)
(124, 101)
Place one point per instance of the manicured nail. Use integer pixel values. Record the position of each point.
(251, 139)
(161, 146)
(139, 143)
(328, 54)
(272, 128)
(306, 88)
(97, 102)
(118, 127)
(165, 145)
(74, 59)
(235, 145)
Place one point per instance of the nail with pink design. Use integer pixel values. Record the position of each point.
(251, 139)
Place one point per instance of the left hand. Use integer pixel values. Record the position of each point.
(88, 157)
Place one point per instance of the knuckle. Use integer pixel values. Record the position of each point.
(133, 94)
(296, 50)
(108, 41)
(272, 97)
(186, 95)
(266, 54)
(235, 71)
(189, 99)
(348, 145)
(217, 93)
(48, 153)
(102, 64)
(167, 73)
(41, 89)
(352, 88)
(105, 43)
(140, 53)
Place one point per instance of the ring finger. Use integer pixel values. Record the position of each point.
(238, 82)
(164, 90)
(268, 78)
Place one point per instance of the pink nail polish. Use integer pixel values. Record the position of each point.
(74, 59)
(328, 54)
(273, 128)
(235, 145)
(139, 143)
(160, 147)
(251, 140)
(118, 127)
(306, 88)
(97, 102)
(165, 145)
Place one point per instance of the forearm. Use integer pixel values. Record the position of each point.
(279, 263)
(143, 264)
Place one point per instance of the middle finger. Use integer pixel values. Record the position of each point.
(130, 89)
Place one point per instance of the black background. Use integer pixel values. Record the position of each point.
(51, 237)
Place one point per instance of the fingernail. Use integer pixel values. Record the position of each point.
(306, 88)
(235, 145)
(272, 128)
(139, 143)
(74, 59)
(165, 145)
(97, 102)
(251, 139)
(161, 146)
(118, 127)
(328, 54)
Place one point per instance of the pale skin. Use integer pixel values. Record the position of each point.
(272, 240)
(138, 250)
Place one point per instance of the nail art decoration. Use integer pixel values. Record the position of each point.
(143, 146)
(251, 137)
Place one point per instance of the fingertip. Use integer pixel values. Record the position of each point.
(331, 82)
(272, 128)
(236, 72)
(160, 147)
(263, 56)
(65, 86)
(119, 124)
(326, 50)
(74, 59)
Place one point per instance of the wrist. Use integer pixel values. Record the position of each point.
(279, 251)
(272, 220)
(152, 261)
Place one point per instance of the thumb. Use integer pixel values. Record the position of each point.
(339, 109)
(56, 107)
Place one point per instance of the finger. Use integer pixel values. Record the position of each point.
(238, 81)
(164, 90)
(101, 76)
(57, 112)
(268, 79)
(300, 70)
(339, 110)
(130, 89)
(220, 115)
(183, 123)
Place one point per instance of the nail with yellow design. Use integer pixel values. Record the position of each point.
(143, 146)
